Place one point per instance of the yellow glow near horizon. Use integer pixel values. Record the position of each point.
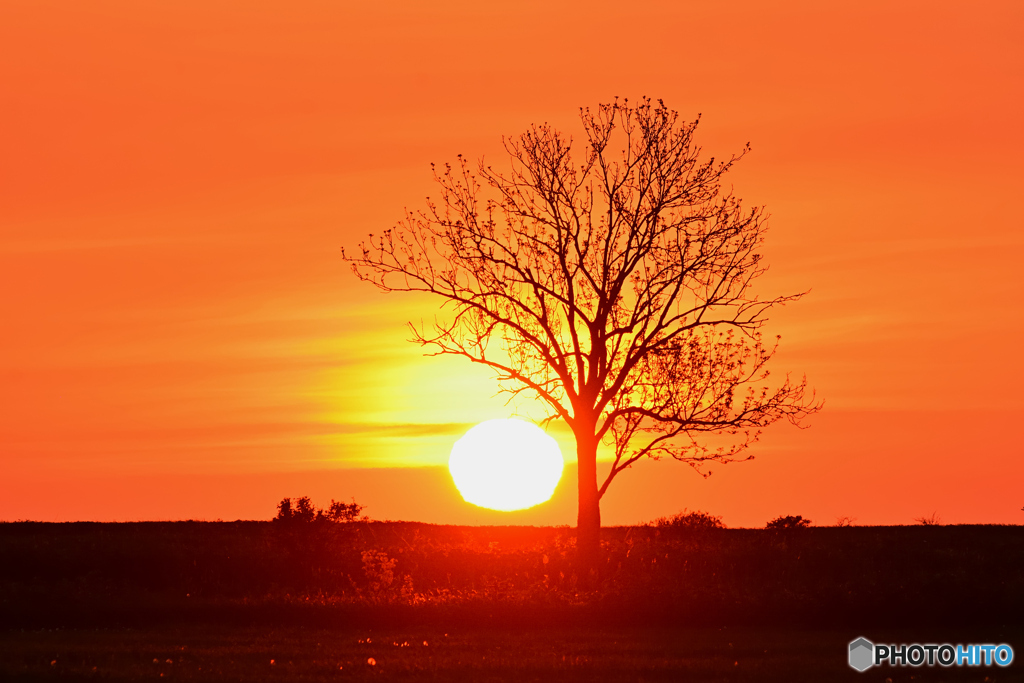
(506, 465)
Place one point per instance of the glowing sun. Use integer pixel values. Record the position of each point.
(506, 465)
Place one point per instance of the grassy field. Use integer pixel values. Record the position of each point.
(219, 601)
(403, 654)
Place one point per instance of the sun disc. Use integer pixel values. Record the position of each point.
(506, 465)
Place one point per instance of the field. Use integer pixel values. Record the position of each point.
(219, 601)
(536, 654)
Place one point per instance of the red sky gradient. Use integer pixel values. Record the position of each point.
(181, 339)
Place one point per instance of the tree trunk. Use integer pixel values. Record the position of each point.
(588, 521)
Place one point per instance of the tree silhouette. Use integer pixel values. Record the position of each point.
(284, 510)
(615, 286)
(698, 520)
(304, 511)
(788, 522)
(343, 512)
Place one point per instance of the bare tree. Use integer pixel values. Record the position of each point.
(614, 285)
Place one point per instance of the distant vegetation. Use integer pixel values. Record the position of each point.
(304, 512)
(696, 520)
(789, 522)
(930, 520)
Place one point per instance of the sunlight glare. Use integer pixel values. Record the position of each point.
(506, 465)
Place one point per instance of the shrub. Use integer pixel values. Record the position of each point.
(789, 522)
(304, 511)
(385, 585)
(931, 520)
(284, 510)
(698, 520)
(344, 512)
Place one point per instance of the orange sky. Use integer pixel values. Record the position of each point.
(181, 338)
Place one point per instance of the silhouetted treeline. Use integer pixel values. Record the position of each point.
(81, 574)
(304, 512)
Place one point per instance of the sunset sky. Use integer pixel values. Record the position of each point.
(181, 338)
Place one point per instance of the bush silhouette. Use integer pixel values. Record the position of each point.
(304, 512)
(697, 520)
(344, 512)
(789, 522)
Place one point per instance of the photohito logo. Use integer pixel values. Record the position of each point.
(864, 654)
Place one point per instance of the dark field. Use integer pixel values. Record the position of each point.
(535, 654)
(221, 600)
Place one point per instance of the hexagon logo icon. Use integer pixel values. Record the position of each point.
(862, 654)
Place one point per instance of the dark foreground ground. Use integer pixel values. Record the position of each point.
(219, 601)
(424, 654)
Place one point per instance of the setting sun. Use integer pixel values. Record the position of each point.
(506, 465)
